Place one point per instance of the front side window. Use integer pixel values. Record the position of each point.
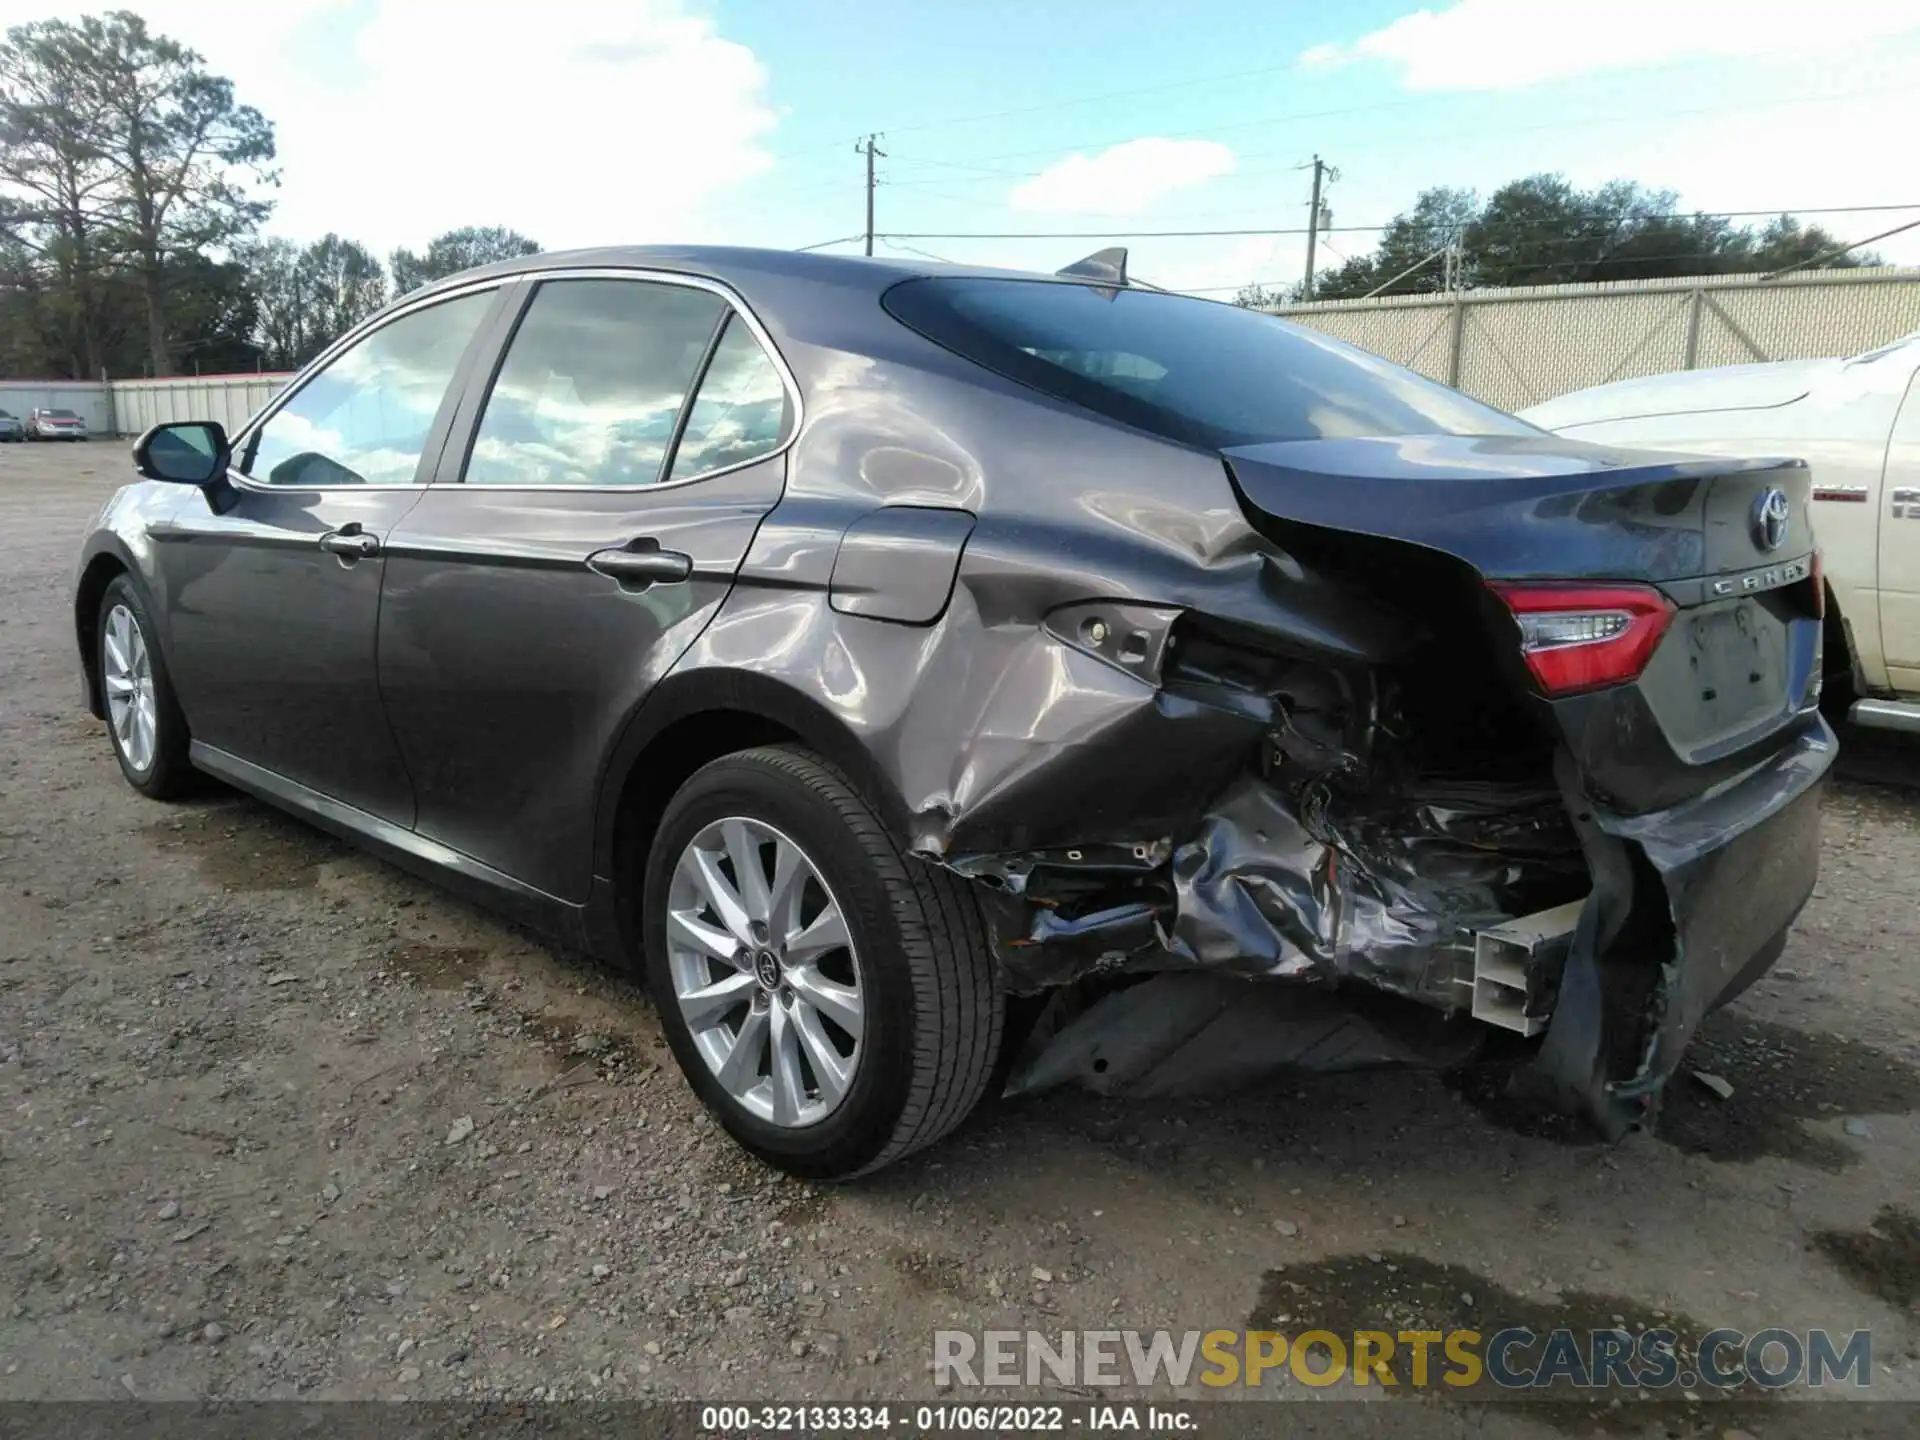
(593, 383)
(1189, 370)
(740, 413)
(364, 419)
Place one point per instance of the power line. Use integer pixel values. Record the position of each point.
(1836, 254)
(987, 173)
(1643, 114)
(823, 244)
(914, 250)
(1768, 212)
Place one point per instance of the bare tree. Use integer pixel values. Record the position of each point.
(180, 148)
(53, 163)
(457, 250)
(305, 298)
(347, 284)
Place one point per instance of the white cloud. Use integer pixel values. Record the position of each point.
(584, 123)
(1740, 161)
(1504, 44)
(1125, 179)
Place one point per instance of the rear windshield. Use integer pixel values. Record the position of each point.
(1190, 370)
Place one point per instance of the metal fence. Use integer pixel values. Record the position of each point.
(1515, 348)
(89, 402)
(129, 407)
(229, 399)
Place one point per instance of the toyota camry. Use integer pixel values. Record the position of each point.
(937, 680)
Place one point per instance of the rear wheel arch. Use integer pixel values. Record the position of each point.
(687, 722)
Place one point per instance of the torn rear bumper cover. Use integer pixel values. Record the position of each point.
(1734, 868)
(1342, 887)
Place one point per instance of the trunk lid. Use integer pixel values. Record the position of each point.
(1727, 541)
(1526, 507)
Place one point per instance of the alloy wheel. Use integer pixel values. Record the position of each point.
(126, 669)
(764, 971)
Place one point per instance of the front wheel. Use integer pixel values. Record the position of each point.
(144, 719)
(832, 1001)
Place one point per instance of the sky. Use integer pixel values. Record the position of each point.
(584, 122)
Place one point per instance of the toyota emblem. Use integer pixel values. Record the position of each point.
(1772, 515)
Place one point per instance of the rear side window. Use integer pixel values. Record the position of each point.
(593, 383)
(740, 412)
(1189, 370)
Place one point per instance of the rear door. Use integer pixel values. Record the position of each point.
(273, 593)
(1900, 548)
(602, 486)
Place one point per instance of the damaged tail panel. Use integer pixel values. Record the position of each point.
(1586, 716)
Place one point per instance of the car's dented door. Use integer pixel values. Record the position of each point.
(524, 618)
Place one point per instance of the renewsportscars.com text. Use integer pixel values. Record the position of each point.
(1516, 1358)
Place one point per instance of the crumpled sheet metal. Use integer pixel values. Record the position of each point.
(1261, 892)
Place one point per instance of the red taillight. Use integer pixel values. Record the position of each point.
(1581, 637)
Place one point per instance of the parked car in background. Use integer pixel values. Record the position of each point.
(1857, 424)
(55, 424)
(856, 643)
(11, 427)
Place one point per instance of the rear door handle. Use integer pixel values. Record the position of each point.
(350, 542)
(641, 563)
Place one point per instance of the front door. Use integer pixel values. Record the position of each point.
(568, 553)
(1900, 548)
(274, 588)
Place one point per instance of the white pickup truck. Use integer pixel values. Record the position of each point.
(1856, 422)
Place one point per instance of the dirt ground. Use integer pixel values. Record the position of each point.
(237, 1059)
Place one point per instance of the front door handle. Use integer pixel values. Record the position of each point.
(350, 542)
(642, 563)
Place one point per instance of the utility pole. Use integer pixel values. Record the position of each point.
(1321, 172)
(870, 149)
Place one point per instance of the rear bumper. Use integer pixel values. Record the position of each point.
(1687, 902)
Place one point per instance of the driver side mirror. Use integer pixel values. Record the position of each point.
(192, 453)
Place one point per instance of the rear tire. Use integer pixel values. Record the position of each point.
(930, 1006)
(144, 719)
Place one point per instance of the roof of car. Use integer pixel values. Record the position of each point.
(740, 264)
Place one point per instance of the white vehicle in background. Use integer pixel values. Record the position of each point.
(1856, 422)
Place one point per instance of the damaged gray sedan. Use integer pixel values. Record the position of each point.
(874, 652)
